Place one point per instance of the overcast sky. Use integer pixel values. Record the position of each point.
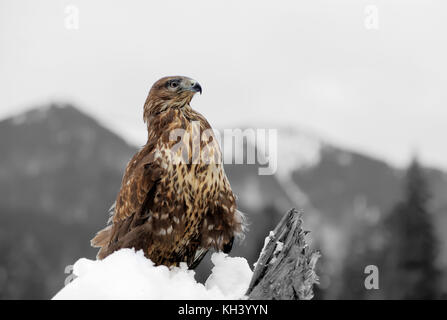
(312, 64)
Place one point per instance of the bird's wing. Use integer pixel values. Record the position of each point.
(132, 206)
(140, 179)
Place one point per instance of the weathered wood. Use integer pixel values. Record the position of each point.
(286, 266)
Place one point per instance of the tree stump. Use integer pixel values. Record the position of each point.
(285, 269)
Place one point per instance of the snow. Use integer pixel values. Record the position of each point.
(297, 150)
(127, 274)
(35, 115)
(279, 246)
(233, 285)
(267, 239)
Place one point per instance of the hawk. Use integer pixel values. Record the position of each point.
(175, 202)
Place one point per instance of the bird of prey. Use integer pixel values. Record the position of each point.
(175, 201)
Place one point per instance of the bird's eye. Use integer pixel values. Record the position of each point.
(173, 84)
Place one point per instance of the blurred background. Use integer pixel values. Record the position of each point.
(356, 90)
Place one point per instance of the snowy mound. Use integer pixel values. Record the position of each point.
(127, 274)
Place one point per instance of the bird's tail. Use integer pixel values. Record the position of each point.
(102, 238)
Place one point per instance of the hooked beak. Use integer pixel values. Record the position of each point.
(192, 85)
(197, 88)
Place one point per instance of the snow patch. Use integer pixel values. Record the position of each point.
(230, 275)
(279, 247)
(267, 239)
(127, 274)
(35, 115)
(295, 150)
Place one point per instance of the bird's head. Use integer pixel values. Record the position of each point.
(170, 92)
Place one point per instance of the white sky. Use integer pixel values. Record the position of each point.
(263, 63)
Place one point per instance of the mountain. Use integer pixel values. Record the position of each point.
(61, 161)
(336, 188)
(60, 171)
